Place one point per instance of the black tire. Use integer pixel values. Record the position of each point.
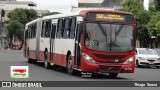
(69, 65)
(46, 63)
(148, 67)
(113, 75)
(137, 64)
(157, 67)
(30, 60)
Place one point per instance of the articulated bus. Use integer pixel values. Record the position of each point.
(100, 41)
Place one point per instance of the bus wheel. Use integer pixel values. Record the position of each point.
(69, 65)
(30, 60)
(46, 63)
(113, 75)
(157, 67)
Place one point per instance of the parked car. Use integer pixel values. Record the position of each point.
(147, 57)
(157, 51)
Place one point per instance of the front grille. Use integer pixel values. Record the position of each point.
(151, 60)
(149, 64)
(109, 57)
(109, 68)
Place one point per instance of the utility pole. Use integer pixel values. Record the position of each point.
(2, 15)
(1, 29)
(1, 22)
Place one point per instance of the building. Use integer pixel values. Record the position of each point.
(106, 4)
(9, 5)
(98, 4)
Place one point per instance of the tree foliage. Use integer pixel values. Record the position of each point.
(18, 18)
(151, 25)
(142, 18)
(132, 6)
(15, 28)
(157, 4)
(22, 15)
(158, 28)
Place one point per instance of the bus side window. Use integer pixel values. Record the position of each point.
(43, 29)
(48, 29)
(59, 28)
(34, 30)
(26, 34)
(53, 31)
(29, 31)
(73, 26)
(66, 28)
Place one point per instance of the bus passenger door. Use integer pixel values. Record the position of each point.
(77, 52)
(52, 44)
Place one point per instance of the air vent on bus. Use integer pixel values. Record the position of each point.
(110, 57)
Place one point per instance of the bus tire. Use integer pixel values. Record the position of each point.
(46, 63)
(30, 60)
(69, 65)
(157, 67)
(113, 75)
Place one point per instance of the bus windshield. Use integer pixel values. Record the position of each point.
(109, 37)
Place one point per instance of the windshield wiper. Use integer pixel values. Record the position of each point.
(119, 30)
(102, 29)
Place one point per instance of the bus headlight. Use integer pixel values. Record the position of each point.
(88, 58)
(130, 60)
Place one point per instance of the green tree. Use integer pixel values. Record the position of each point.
(15, 29)
(142, 18)
(22, 15)
(158, 28)
(50, 13)
(158, 32)
(18, 18)
(132, 6)
(151, 25)
(157, 4)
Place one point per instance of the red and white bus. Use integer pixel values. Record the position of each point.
(89, 41)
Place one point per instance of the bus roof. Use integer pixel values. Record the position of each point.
(81, 13)
(84, 12)
(33, 21)
(77, 13)
(61, 15)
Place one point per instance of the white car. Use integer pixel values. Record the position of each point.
(147, 57)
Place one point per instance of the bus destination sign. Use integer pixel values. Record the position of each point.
(110, 17)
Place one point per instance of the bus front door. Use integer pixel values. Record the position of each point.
(52, 44)
(77, 53)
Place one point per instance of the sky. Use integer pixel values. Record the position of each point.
(62, 6)
(146, 4)
(55, 5)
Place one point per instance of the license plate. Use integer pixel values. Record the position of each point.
(151, 62)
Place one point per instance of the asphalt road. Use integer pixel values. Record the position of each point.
(38, 73)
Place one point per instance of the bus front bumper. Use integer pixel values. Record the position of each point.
(107, 67)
